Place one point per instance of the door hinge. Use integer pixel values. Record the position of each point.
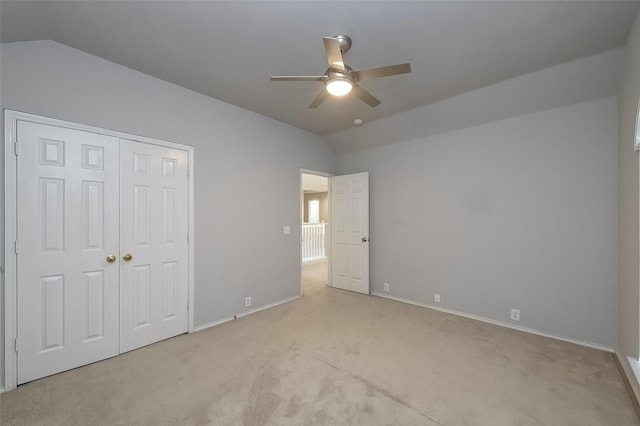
(16, 344)
(188, 238)
(15, 148)
(188, 171)
(16, 246)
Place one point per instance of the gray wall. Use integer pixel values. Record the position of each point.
(628, 290)
(234, 151)
(517, 213)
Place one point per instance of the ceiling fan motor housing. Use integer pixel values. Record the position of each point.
(332, 73)
(344, 42)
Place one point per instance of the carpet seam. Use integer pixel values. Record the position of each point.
(366, 382)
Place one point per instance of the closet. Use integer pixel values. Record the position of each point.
(102, 246)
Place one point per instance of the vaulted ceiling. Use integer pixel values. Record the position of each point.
(228, 50)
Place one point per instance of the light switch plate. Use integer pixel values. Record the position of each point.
(286, 230)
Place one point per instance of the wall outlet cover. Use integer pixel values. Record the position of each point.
(386, 286)
(515, 314)
(247, 302)
(436, 297)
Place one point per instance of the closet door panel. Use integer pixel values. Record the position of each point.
(154, 248)
(68, 224)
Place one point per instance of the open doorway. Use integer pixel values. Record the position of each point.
(315, 238)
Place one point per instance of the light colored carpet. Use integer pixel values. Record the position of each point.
(338, 358)
(314, 276)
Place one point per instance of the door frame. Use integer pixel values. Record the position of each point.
(301, 220)
(11, 119)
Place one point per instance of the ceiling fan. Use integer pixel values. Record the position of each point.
(340, 79)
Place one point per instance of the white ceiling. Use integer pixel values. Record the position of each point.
(228, 50)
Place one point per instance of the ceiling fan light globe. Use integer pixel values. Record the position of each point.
(339, 86)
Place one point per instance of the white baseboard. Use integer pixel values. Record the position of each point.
(631, 369)
(1, 390)
(211, 324)
(262, 308)
(243, 314)
(500, 323)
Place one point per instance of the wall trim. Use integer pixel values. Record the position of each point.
(265, 307)
(212, 324)
(636, 145)
(11, 119)
(244, 314)
(499, 323)
(630, 377)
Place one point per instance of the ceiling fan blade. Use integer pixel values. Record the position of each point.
(364, 96)
(334, 55)
(319, 99)
(379, 72)
(298, 77)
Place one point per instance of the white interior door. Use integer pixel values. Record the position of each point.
(67, 227)
(350, 232)
(154, 227)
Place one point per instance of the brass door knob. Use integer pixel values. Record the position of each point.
(127, 257)
(111, 258)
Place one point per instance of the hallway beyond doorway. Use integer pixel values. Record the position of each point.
(314, 276)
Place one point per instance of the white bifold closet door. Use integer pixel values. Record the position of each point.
(67, 226)
(85, 202)
(153, 231)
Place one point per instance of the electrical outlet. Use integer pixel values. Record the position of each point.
(515, 314)
(436, 297)
(386, 286)
(247, 302)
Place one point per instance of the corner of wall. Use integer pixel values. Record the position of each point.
(628, 214)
